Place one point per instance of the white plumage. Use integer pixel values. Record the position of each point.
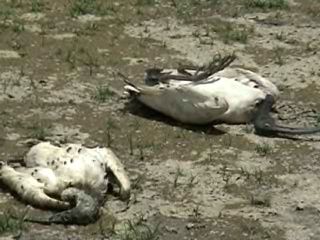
(50, 170)
(230, 95)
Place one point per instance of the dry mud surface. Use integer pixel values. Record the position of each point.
(59, 82)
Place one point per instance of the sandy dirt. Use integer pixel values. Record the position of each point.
(59, 82)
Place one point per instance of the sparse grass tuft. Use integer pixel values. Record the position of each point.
(230, 32)
(102, 94)
(18, 27)
(236, 35)
(267, 4)
(82, 7)
(39, 131)
(263, 149)
(8, 224)
(6, 12)
(139, 231)
(12, 224)
(36, 5)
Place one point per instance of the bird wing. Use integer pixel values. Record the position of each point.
(182, 101)
(249, 78)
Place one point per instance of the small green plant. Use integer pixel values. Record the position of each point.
(82, 7)
(18, 27)
(267, 4)
(139, 231)
(36, 5)
(235, 35)
(6, 12)
(102, 94)
(263, 149)
(230, 32)
(10, 224)
(39, 131)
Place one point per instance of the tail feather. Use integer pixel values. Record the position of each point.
(132, 90)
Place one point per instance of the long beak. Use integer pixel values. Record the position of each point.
(265, 125)
(292, 130)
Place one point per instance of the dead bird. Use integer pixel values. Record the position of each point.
(231, 95)
(73, 179)
(215, 98)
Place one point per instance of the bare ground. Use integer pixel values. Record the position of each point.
(59, 82)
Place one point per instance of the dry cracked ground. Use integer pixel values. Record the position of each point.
(59, 81)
